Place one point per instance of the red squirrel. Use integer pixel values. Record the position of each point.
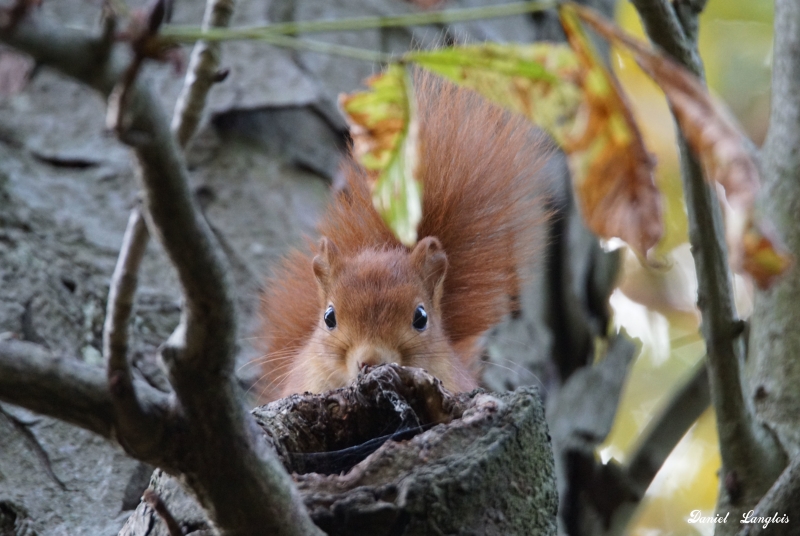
(361, 297)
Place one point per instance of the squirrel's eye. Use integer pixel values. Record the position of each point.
(420, 319)
(330, 317)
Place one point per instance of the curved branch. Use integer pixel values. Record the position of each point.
(65, 388)
(661, 436)
(200, 77)
(115, 329)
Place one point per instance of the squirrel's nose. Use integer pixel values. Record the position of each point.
(371, 354)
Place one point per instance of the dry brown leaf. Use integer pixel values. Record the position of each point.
(613, 172)
(720, 145)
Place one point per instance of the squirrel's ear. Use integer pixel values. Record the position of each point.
(431, 261)
(325, 261)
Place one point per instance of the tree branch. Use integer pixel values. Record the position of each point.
(664, 432)
(676, 36)
(198, 82)
(65, 388)
(199, 79)
(115, 329)
(201, 75)
(772, 368)
(155, 502)
(781, 499)
(215, 442)
(750, 456)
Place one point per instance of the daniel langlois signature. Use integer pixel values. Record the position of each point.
(696, 516)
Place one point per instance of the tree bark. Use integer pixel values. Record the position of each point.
(476, 462)
(773, 365)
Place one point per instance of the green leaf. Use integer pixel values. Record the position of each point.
(385, 140)
(540, 81)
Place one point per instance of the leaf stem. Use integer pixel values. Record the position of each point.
(185, 34)
(344, 51)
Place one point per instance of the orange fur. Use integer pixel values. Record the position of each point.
(480, 200)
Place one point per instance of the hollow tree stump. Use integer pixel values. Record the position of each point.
(396, 454)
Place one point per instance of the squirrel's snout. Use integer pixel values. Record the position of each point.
(370, 354)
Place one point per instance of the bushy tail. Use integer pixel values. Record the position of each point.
(481, 199)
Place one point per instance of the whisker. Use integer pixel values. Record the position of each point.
(277, 381)
(260, 383)
(517, 371)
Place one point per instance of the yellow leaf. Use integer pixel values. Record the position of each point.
(384, 128)
(761, 254)
(538, 81)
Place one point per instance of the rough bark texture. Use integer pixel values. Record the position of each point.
(773, 365)
(477, 463)
(773, 370)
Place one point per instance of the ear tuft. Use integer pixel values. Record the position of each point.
(325, 262)
(429, 258)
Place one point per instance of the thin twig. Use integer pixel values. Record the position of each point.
(24, 429)
(190, 34)
(331, 49)
(201, 75)
(280, 34)
(122, 290)
(115, 329)
(749, 455)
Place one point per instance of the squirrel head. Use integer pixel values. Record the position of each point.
(379, 306)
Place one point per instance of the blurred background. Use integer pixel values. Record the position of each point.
(657, 306)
